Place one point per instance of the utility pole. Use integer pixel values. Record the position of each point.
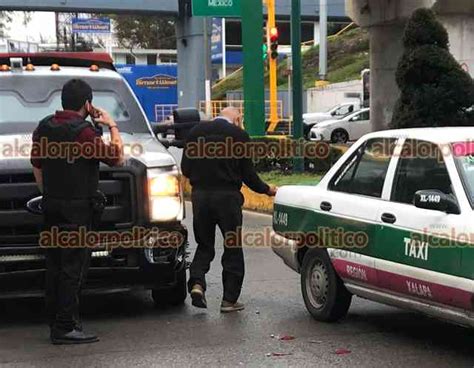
(297, 79)
(323, 43)
(254, 86)
(272, 35)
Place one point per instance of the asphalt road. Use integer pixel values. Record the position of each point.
(135, 334)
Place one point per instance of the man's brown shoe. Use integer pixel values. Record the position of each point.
(227, 307)
(198, 296)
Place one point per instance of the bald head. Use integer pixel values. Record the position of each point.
(233, 114)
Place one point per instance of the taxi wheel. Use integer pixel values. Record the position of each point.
(324, 293)
(339, 136)
(174, 296)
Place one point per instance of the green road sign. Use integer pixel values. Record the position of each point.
(216, 8)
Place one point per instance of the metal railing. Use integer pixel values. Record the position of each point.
(214, 108)
(162, 111)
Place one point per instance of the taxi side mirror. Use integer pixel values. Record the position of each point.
(437, 201)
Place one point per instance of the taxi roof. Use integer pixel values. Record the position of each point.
(435, 135)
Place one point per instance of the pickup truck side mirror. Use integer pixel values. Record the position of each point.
(184, 121)
(437, 201)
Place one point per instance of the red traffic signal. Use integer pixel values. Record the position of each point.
(274, 34)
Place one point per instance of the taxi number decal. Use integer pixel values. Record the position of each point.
(431, 198)
(280, 218)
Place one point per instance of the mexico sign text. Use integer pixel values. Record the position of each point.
(216, 8)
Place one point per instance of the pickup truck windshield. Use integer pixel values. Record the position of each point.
(463, 153)
(23, 103)
(14, 109)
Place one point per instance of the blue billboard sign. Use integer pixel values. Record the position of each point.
(217, 39)
(91, 25)
(156, 87)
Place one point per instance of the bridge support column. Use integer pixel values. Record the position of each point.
(193, 60)
(385, 20)
(386, 48)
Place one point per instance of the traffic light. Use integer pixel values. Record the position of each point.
(274, 38)
(265, 44)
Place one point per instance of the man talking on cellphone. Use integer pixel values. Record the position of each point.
(70, 195)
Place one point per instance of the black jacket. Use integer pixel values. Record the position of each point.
(224, 166)
(64, 178)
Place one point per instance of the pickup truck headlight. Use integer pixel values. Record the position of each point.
(165, 195)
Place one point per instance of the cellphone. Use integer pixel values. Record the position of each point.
(94, 113)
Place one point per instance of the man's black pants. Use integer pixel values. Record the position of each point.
(66, 271)
(224, 209)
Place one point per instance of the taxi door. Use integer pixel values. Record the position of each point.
(412, 258)
(352, 201)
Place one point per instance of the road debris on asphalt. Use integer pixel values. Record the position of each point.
(286, 338)
(342, 351)
(278, 354)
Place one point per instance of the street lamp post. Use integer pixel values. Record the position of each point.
(323, 43)
(297, 79)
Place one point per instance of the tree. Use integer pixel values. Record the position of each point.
(147, 32)
(435, 90)
(5, 18)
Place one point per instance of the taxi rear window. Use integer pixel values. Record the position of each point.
(463, 153)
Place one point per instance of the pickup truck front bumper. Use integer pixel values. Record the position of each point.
(22, 273)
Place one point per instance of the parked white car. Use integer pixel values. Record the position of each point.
(349, 128)
(337, 112)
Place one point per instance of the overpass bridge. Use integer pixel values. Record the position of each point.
(193, 54)
(309, 8)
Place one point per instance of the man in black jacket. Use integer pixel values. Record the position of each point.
(69, 190)
(216, 180)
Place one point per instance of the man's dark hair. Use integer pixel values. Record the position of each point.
(75, 94)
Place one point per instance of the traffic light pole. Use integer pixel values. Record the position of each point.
(297, 78)
(254, 86)
(273, 66)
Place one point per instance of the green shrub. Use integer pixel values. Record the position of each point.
(281, 158)
(435, 90)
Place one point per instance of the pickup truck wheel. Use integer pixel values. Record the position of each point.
(174, 296)
(324, 293)
(339, 136)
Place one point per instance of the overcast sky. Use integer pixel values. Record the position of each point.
(42, 23)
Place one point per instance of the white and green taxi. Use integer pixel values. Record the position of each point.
(392, 221)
